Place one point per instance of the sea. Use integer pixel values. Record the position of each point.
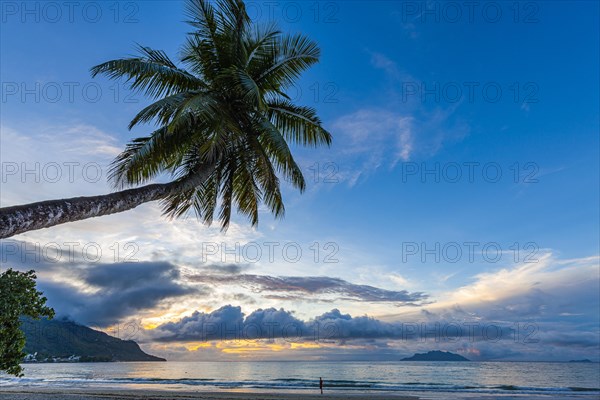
(433, 380)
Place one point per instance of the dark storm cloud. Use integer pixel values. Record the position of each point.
(121, 290)
(571, 337)
(129, 276)
(374, 339)
(273, 323)
(229, 323)
(202, 326)
(296, 288)
(96, 294)
(224, 269)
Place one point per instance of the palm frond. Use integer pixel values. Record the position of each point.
(153, 78)
(146, 157)
(162, 110)
(299, 124)
(259, 43)
(291, 56)
(279, 153)
(202, 16)
(267, 178)
(246, 193)
(250, 92)
(197, 109)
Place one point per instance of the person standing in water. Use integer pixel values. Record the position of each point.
(321, 384)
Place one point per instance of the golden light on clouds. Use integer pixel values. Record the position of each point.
(150, 325)
(295, 346)
(196, 346)
(174, 314)
(251, 346)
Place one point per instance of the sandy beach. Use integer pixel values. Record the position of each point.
(134, 394)
(106, 394)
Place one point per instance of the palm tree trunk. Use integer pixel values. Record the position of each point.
(44, 214)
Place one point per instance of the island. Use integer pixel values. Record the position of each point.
(61, 340)
(585, 360)
(436, 355)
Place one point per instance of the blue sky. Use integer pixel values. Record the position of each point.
(403, 92)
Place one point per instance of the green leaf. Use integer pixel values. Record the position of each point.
(18, 297)
(224, 124)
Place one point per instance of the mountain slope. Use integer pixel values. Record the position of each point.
(62, 339)
(436, 355)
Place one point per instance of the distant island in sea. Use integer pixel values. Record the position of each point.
(436, 355)
(66, 341)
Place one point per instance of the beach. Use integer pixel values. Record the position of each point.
(134, 394)
(107, 394)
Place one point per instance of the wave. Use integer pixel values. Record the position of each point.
(299, 384)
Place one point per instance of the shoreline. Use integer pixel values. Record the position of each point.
(71, 393)
(147, 394)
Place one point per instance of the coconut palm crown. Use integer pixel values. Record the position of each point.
(224, 122)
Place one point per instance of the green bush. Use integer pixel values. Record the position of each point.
(18, 297)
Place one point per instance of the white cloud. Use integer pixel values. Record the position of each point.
(47, 162)
(374, 138)
(549, 275)
(380, 61)
(528, 291)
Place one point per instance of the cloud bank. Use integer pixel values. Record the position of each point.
(322, 287)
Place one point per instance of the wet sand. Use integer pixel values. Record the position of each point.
(134, 394)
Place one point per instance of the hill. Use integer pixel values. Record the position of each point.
(63, 340)
(436, 355)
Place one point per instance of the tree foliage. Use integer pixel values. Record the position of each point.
(18, 297)
(224, 110)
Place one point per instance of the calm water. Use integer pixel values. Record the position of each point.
(469, 378)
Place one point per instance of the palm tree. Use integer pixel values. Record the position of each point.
(224, 124)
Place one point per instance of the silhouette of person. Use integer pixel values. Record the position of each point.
(321, 384)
